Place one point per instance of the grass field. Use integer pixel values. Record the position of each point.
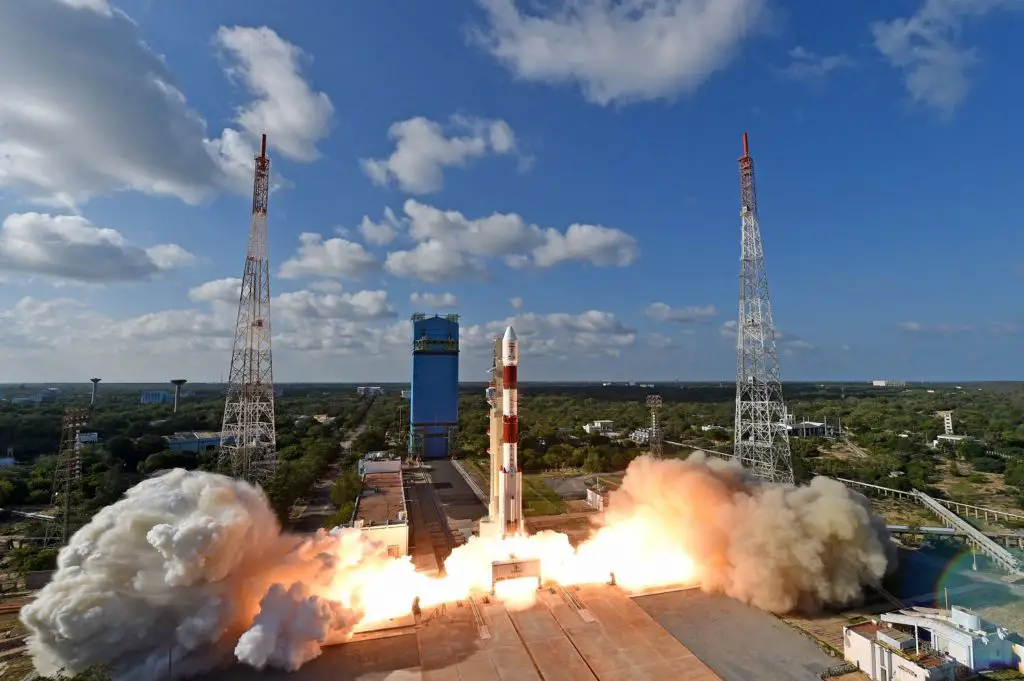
(538, 498)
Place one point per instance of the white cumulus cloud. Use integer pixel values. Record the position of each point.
(619, 51)
(87, 108)
(336, 257)
(434, 299)
(926, 47)
(661, 312)
(71, 247)
(424, 148)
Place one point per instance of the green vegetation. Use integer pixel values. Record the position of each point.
(889, 431)
(132, 446)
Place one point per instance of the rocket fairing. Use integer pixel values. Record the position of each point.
(510, 479)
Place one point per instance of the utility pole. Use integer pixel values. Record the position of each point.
(657, 442)
(248, 444)
(761, 441)
(67, 494)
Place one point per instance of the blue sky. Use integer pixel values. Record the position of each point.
(563, 169)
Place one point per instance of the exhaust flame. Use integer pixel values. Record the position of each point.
(194, 565)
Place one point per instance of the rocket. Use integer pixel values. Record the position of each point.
(510, 477)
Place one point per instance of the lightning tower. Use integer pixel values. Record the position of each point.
(67, 495)
(761, 441)
(248, 438)
(656, 440)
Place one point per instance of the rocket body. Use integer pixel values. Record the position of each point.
(510, 477)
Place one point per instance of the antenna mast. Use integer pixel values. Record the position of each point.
(67, 495)
(248, 437)
(761, 439)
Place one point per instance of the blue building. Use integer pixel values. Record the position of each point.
(156, 397)
(195, 442)
(434, 404)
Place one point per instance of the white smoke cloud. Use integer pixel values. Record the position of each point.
(194, 566)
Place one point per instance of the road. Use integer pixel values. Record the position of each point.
(318, 507)
(737, 641)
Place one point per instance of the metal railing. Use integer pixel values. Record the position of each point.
(997, 553)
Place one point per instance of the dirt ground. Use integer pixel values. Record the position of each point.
(14, 664)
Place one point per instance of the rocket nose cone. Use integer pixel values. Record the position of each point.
(510, 335)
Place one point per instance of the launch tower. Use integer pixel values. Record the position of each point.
(761, 440)
(434, 403)
(248, 438)
(656, 439)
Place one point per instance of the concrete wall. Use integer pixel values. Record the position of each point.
(38, 579)
(394, 537)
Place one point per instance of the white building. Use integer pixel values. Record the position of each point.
(888, 383)
(599, 427)
(963, 635)
(809, 429)
(641, 436)
(928, 643)
(887, 654)
(597, 496)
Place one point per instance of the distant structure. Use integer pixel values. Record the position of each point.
(656, 439)
(95, 386)
(761, 441)
(156, 397)
(248, 436)
(369, 390)
(67, 495)
(434, 407)
(888, 383)
(947, 421)
(177, 383)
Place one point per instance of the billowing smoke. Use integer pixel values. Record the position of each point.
(777, 547)
(193, 567)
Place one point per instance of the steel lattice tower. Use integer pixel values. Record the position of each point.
(656, 440)
(67, 495)
(761, 441)
(248, 438)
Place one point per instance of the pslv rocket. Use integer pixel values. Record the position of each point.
(510, 476)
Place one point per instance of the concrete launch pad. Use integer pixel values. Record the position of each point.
(553, 641)
(590, 633)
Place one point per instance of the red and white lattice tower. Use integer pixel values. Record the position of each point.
(761, 439)
(510, 481)
(248, 437)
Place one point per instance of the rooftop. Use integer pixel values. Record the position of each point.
(195, 435)
(926, 659)
(382, 500)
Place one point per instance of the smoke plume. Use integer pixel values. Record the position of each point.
(193, 567)
(778, 547)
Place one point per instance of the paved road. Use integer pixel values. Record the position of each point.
(738, 642)
(319, 506)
